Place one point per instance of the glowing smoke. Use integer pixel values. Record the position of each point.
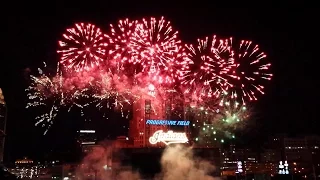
(177, 162)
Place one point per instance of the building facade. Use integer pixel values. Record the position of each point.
(152, 108)
(87, 137)
(139, 131)
(239, 161)
(25, 169)
(301, 154)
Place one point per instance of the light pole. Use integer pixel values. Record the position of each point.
(313, 168)
(4, 125)
(4, 131)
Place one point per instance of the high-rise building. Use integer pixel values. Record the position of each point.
(3, 118)
(139, 131)
(171, 108)
(301, 153)
(87, 137)
(239, 161)
(271, 158)
(313, 144)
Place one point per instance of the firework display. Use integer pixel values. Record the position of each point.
(214, 79)
(82, 48)
(210, 64)
(158, 47)
(252, 70)
(119, 41)
(52, 90)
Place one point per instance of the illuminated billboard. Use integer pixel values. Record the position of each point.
(167, 122)
(169, 137)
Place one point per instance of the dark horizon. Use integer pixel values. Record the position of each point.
(285, 34)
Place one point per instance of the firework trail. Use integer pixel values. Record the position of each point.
(232, 114)
(112, 92)
(252, 70)
(119, 92)
(82, 48)
(50, 93)
(42, 90)
(206, 74)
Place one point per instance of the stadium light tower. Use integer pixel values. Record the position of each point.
(3, 121)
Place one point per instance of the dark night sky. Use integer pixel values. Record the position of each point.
(285, 34)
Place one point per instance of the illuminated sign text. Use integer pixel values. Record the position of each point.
(168, 122)
(167, 138)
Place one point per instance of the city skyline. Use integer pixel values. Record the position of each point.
(292, 64)
(281, 157)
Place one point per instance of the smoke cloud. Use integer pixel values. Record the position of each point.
(177, 162)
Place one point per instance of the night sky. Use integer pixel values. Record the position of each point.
(287, 35)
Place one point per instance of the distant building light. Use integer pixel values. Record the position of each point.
(283, 168)
(87, 131)
(239, 167)
(85, 143)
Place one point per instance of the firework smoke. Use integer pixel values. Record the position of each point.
(177, 162)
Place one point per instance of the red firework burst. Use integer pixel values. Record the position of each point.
(170, 73)
(120, 41)
(252, 70)
(82, 48)
(208, 68)
(156, 43)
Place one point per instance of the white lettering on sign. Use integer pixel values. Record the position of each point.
(167, 138)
